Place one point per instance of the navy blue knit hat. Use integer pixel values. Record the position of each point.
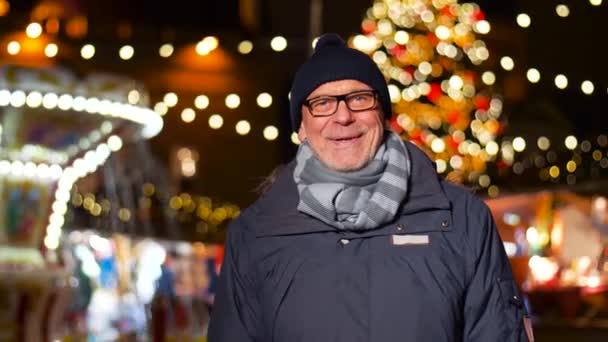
(334, 61)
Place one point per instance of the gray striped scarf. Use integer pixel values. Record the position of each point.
(358, 200)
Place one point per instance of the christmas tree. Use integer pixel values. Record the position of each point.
(431, 55)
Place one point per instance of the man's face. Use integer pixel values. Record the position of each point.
(344, 141)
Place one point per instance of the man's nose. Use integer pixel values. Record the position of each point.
(343, 115)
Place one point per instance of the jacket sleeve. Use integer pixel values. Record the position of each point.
(493, 307)
(234, 314)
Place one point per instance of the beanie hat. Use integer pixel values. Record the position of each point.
(331, 61)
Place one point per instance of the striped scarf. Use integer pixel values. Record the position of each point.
(358, 200)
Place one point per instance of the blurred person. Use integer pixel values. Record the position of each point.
(358, 239)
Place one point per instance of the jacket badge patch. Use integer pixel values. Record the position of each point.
(400, 240)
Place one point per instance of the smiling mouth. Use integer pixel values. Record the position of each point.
(343, 140)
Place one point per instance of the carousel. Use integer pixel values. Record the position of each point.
(55, 128)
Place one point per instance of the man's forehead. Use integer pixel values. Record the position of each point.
(339, 87)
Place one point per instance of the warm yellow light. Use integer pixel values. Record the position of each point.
(493, 191)
(87, 51)
(13, 47)
(5, 7)
(519, 144)
(126, 52)
(278, 43)
(201, 102)
(402, 37)
(571, 142)
(543, 143)
(133, 96)
(507, 63)
(216, 121)
(161, 108)
(294, 138)
(188, 115)
(571, 166)
(114, 143)
(441, 165)
(314, 42)
(166, 50)
(484, 181)
(492, 148)
(488, 78)
(243, 127)
(483, 27)
(523, 20)
(245, 47)
(595, 2)
(51, 50)
(170, 99)
(33, 30)
(562, 10)
(264, 100)
(438, 145)
(587, 87)
(442, 32)
(456, 82)
(232, 101)
(271, 133)
(34, 99)
(206, 45)
(554, 171)
(533, 75)
(561, 81)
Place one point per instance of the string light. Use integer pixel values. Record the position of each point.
(278, 43)
(170, 99)
(33, 30)
(87, 51)
(523, 20)
(562, 10)
(126, 52)
(561, 81)
(51, 50)
(232, 101)
(188, 115)
(201, 102)
(587, 87)
(166, 50)
(245, 47)
(264, 100)
(216, 121)
(507, 63)
(206, 45)
(533, 75)
(243, 127)
(13, 47)
(270, 133)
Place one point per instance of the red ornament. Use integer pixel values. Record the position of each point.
(368, 26)
(481, 102)
(435, 92)
(432, 38)
(478, 15)
(395, 127)
(453, 117)
(398, 50)
(446, 10)
(453, 144)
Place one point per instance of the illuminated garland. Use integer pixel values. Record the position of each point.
(189, 208)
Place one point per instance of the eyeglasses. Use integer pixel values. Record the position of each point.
(327, 105)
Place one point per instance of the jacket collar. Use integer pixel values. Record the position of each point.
(275, 213)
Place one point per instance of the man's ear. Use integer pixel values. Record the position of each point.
(302, 133)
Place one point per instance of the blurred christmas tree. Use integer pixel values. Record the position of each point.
(430, 54)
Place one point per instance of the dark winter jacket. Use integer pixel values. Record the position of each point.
(437, 273)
